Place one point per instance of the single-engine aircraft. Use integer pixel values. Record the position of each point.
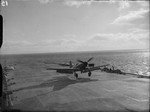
(82, 66)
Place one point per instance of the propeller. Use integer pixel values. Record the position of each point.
(85, 62)
(80, 61)
(90, 59)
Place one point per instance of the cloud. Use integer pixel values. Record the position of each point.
(140, 34)
(77, 3)
(17, 43)
(130, 17)
(16, 47)
(135, 39)
(143, 3)
(127, 4)
(101, 37)
(45, 1)
(138, 30)
(123, 5)
(41, 1)
(59, 45)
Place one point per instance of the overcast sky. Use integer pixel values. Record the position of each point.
(37, 26)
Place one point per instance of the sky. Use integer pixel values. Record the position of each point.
(40, 26)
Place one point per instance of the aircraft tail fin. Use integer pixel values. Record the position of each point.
(70, 64)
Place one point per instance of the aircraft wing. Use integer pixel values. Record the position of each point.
(95, 68)
(71, 70)
(60, 69)
(63, 70)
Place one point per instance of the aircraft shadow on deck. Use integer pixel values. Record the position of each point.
(58, 83)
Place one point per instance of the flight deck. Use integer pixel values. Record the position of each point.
(51, 91)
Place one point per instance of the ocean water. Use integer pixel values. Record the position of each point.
(136, 62)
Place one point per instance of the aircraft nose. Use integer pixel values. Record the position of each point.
(86, 63)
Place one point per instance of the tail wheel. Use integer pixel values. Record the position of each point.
(89, 74)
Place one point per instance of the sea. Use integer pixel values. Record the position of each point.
(129, 61)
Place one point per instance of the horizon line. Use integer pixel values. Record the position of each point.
(119, 50)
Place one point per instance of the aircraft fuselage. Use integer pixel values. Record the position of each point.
(80, 66)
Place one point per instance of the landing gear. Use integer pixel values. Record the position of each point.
(89, 74)
(76, 75)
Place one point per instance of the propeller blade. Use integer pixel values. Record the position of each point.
(90, 59)
(80, 61)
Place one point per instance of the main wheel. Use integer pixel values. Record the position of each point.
(76, 75)
(89, 74)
